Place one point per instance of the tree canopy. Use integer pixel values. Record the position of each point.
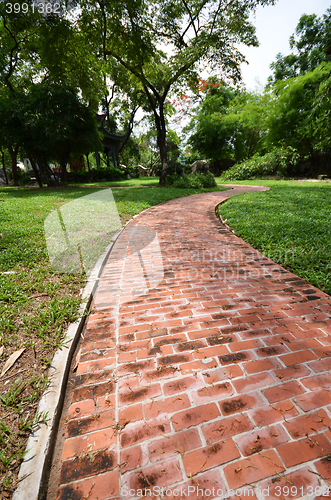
(310, 44)
(158, 46)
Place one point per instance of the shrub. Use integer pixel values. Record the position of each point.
(97, 174)
(196, 181)
(276, 162)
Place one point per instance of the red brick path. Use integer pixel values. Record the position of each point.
(216, 379)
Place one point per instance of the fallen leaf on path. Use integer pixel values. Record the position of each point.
(11, 360)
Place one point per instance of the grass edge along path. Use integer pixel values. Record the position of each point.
(37, 305)
(290, 224)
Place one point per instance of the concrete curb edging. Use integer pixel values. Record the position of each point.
(33, 471)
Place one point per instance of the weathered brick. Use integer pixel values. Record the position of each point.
(90, 442)
(298, 357)
(180, 385)
(142, 393)
(297, 484)
(252, 382)
(155, 475)
(255, 468)
(130, 413)
(304, 450)
(174, 359)
(210, 485)
(139, 431)
(195, 416)
(92, 423)
(260, 365)
(179, 443)
(132, 458)
(274, 413)
(83, 466)
(313, 400)
(262, 439)
(308, 424)
(226, 427)
(294, 371)
(103, 486)
(283, 391)
(166, 405)
(239, 404)
(211, 456)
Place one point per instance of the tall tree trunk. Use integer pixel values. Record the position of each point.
(63, 171)
(4, 165)
(157, 104)
(13, 153)
(36, 172)
(162, 144)
(88, 166)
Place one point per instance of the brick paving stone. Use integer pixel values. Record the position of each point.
(308, 424)
(195, 416)
(179, 443)
(253, 469)
(304, 450)
(294, 485)
(99, 487)
(213, 375)
(209, 457)
(313, 400)
(226, 427)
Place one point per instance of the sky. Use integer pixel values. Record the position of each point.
(274, 26)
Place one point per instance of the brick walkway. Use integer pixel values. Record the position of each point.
(204, 369)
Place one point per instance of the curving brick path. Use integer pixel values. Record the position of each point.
(204, 369)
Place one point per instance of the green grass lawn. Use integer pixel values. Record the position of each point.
(290, 224)
(37, 304)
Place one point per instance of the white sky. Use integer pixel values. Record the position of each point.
(274, 25)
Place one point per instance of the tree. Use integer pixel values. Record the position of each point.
(298, 112)
(57, 125)
(311, 44)
(44, 48)
(228, 123)
(320, 123)
(193, 33)
(213, 130)
(11, 125)
(18, 35)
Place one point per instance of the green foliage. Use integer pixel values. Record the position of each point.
(128, 37)
(198, 180)
(57, 123)
(97, 174)
(309, 43)
(228, 123)
(276, 162)
(320, 124)
(293, 112)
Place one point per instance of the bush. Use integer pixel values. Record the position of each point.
(97, 174)
(276, 162)
(196, 181)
